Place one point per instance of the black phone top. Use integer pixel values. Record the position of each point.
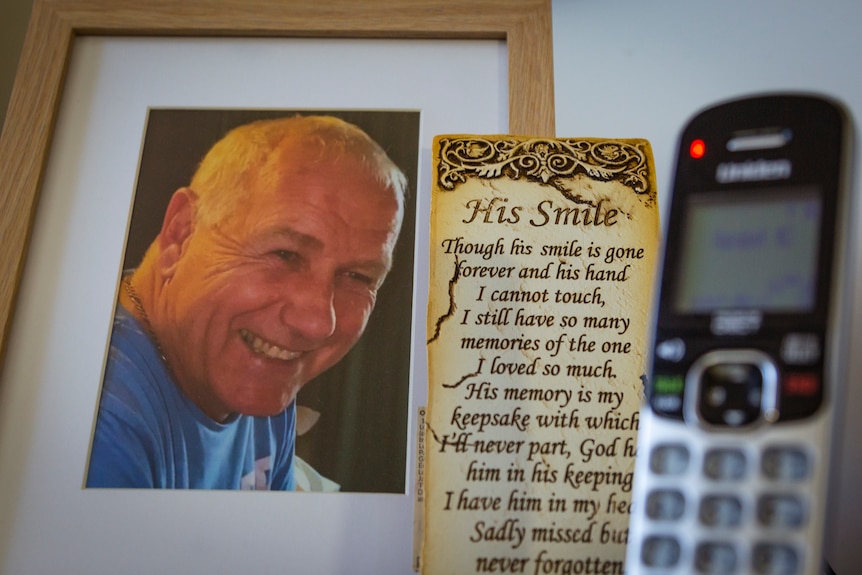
(747, 284)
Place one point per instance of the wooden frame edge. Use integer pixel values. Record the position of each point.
(27, 133)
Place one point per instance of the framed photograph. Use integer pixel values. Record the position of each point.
(351, 420)
(73, 198)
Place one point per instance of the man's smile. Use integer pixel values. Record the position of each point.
(263, 347)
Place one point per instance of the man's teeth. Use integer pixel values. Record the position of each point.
(263, 347)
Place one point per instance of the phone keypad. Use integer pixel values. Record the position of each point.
(731, 487)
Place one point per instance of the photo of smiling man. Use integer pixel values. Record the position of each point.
(263, 276)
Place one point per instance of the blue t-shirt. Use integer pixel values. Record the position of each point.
(149, 434)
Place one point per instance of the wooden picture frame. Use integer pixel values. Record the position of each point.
(525, 25)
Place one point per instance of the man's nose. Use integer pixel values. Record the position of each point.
(310, 313)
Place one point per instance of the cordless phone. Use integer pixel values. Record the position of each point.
(744, 379)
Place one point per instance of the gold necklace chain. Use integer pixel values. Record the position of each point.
(139, 307)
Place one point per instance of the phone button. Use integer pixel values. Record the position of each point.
(724, 464)
(666, 394)
(715, 558)
(801, 394)
(775, 559)
(800, 348)
(671, 350)
(667, 405)
(720, 511)
(660, 551)
(785, 464)
(730, 393)
(669, 459)
(665, 505)
(781, 511)
(801, 384)
(732, 388)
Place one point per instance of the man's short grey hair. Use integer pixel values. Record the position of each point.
(248, 157)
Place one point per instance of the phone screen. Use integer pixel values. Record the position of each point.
(750, 249)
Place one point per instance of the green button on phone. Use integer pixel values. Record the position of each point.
(668, 384)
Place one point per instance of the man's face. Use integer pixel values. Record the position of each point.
(270, 298)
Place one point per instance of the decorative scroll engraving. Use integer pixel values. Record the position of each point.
(545, 161)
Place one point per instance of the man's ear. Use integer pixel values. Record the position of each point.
(177, 229)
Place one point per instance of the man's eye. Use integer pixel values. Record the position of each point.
(362, 278)
(286, 255)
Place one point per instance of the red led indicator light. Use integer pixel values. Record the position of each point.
(697, 149)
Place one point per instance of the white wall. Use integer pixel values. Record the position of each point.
(629, 68)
